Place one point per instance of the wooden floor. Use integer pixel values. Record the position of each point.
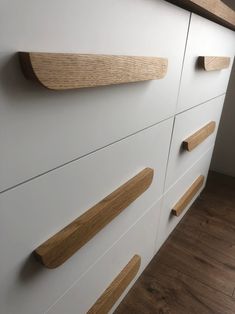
(194, 272)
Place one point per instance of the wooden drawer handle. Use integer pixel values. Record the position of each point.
(66, 242)
(188, 196)
(214, 63)
(109, 297)
(59, 71)
(198, 137)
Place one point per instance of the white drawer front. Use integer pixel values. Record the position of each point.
(34, 211)
(168, 221)
(205, 39)
(139, 240)
(187, 124)
(42, 129)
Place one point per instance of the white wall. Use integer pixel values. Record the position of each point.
(223, 159)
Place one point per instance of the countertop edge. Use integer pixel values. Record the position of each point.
(214, 10)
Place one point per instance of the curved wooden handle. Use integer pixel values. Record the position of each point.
(198, 137)
(116, 288)
(66, 242)
(214, 63)
(59, 71)
(188, 196)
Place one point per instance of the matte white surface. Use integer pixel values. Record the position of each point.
(42, 129)
(186, 124)
(139, 240)
(36, 210)
(167, 221)
(205, 39)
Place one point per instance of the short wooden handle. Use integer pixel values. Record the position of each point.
(198, 137)
(66, 242)
(106, 301)
(59, 71)
(188, 196)
(214, 63)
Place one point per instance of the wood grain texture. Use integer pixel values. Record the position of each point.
(188, 196)
(66, 242)
(211, 227)
(59, 71)
(198, 137)
(106, 301)
(209, 63)
(194, 272)
(214, 10)
(201, 262)
(164, 290)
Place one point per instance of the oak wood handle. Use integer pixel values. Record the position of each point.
(116, 288)
(66, 242)
(209, 63)
(198, 137)
(188, 196)
(60, 71)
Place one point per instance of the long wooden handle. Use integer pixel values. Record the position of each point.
(198, 137)
(188, 196)
(66, 242)
(67, 71)
(106, 301)
(214, 63)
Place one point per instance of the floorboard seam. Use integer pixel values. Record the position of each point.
(201, 282)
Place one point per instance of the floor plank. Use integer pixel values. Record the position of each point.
(188, 254)
(214, 232)
(169, 291)
(194, 272)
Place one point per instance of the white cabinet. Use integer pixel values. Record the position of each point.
(62, 152)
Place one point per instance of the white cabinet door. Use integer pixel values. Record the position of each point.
(138, 240)
(168, 221)
(205, 38)
(34, 211)
(187, 124)
(42, 129)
